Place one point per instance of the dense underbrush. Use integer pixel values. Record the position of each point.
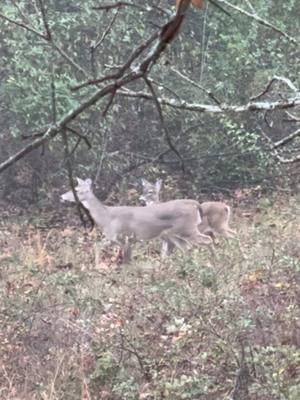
(76, 325)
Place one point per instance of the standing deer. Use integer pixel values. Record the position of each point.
(174, 222)
(215, 215)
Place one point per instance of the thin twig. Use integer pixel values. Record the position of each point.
(24, 26)
(203, 53)
(292, 118)
(57, 370)
(163, 125)
(48, 39)
(287, 139)
(161, 85)
(275, 79)
(80, 136)
(109, 103)
(121, 70)
(68, 58)
(187, 79)
(100, 41)
(261, 21)
(45, 20)
(276, 153)
(118, 4)
(102, 157)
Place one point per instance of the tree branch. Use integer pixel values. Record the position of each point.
(261, 21)
(166, 35)
(286, 139)
(275, 79)
(280, 143)
(24, 26)
(45, 20)
(163, 125)
(48, 37)
(80, 136)
(223, 108)
(193, 83)
(118, 4)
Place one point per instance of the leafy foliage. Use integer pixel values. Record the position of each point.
(229, 56)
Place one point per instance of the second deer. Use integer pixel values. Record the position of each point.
(215, 215)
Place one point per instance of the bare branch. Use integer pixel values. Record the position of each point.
(287, 82)
(284, 160)
(68, 58)
(261, 21)
(105, 33)
(163, 125)
(167, 34)
(162, 86)
(250, 6)
(292, 118)
(287, 139)
(102, 157)
(203, 49)
(80, 136)
(48, 38)
(45, 20)
(80, 208)
(208, 92)
(282, 79)
(111, 99)
(23, 16)
(122, 69)
(285, 104)
(24, 26)
(118, 4)
(53, 130)
(40, 133)
(274, 147)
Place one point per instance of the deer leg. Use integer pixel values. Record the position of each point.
(164, 249)
(126, 250)
(123, 243)
(244, 257)
(167, 248)
(180, 242)
(170, 241)
(209, 241)
(228, 233)
(205, 229)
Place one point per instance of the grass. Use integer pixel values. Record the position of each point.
(76, 325)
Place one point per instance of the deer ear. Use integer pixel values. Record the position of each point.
(145, 183)
(158, 184)
(80, 181)
(88, 182)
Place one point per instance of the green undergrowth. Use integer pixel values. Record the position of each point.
(77, 325)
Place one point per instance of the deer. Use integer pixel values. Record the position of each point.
(176, 223)
(215, 215)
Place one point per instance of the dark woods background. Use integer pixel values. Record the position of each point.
(216, 59)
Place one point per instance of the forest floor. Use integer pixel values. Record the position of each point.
(76, 325)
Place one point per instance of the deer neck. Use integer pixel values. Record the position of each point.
(151, 200)
(99, 212)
